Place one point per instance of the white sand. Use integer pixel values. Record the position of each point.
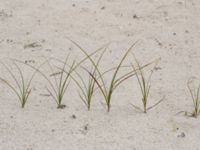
(166, 28)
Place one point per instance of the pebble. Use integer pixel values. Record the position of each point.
(182, 135)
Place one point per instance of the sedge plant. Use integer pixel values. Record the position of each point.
(87, 87)
(144, 84)
(99, 79)
(61, 80)
(195, 95)
(61, 84)
(20, 86)
(58, 87)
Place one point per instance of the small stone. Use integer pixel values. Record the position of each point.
(43, 41)
(86, 127)
(102, 8)
(53, 130)
(182, 135)
(61, 106)
(135, 16)
(73, 116)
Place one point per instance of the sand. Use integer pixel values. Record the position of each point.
(168, 29)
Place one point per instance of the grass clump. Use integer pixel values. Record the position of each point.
(87, 87)
(99, 79)
(61, 83)
(144, 84)
(20, 86)
(61, 79)
(58, 86)
(195, 95)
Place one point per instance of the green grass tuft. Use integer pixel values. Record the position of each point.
(87, 87)
(195, 95)
(58, 86)
(19, 86)
(144, 84)
(99, 78)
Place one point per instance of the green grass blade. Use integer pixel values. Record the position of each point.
(93, 63)
(51, 68)
(41, 73)
(66, 79)
(22, 79)
(9, 85)
(61, 78)
(13, 76)
(98, 84)
(55, 98)
(138, 79)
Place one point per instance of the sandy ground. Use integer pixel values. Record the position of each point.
(169, 29)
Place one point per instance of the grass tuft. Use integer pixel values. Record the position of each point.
(100, 80)
(87, 87)
(19, 86)
(195, 95)
(61, 83)
(61, 80)
(144, 84)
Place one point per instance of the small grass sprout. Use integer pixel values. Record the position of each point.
(61, 83)
(144, 84)
(19, 86)
(195, 95)
(87, 87)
